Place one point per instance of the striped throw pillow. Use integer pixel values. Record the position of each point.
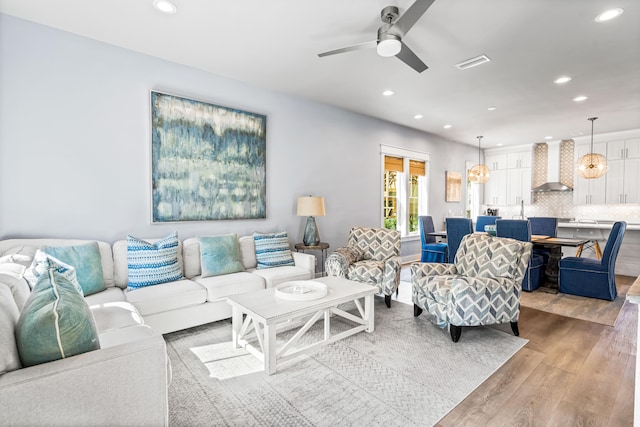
(151, 264)
(272, 249)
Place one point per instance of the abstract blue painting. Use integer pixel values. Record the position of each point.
(208, 162)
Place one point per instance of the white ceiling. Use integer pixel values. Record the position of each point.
(274, 45)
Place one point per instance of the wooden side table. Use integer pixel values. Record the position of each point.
(322, 247)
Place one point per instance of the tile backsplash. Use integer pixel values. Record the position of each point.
(560, 204)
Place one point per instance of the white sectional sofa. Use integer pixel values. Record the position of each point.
(125, 382)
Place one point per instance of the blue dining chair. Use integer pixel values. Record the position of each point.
(483, 220)
(590, 277)
(431, 250)
(543, 226)
(520, 229)
(457, 228)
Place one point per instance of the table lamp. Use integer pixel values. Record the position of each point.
(311, 207)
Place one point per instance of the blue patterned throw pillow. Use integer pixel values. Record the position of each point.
(272, 249)
(152, 263)
(220, 255)
(56, 321)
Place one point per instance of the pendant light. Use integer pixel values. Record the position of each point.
(592, 165)
(479, 173)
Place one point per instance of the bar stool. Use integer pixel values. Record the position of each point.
(592, 234)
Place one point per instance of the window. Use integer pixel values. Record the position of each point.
(404, 189)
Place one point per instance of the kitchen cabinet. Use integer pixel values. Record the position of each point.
(510, 181)
(495, 190)
(589, 191)
(623, 161)
(624, 149)
(518, 186)
(495, 161)
(520, 159)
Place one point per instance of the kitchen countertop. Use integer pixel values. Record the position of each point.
(631, 225)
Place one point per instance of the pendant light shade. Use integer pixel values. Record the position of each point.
(592, 165)
(479, 173)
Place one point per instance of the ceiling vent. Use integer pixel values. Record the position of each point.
(478, 60)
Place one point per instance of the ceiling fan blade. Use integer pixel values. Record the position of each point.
(411, 16)
(407, 56)
(365, 45)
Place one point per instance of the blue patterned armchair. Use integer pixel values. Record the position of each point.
(482, 286)
(372, 256)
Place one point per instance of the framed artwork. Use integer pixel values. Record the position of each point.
(453, 191)
(207, 162)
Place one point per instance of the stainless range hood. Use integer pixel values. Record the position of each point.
(553, 170)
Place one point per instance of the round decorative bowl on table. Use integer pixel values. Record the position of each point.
(301, 290)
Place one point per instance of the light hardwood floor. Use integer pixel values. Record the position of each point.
(571, 373)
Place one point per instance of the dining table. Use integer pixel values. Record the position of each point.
(553, 244)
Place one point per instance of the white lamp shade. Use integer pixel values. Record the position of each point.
(310, 206)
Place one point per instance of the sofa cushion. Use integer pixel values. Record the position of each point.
(272, 249)
(366, 271)
(230, 284)
(121, 336)
(56, 321)
(275, 276)
(12, 275)
(9, 314)
(166, 296)
(152, 263)
(111, 316)
(219, 255)
(248, 252)
(85, 258)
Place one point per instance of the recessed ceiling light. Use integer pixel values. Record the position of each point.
(609, 14)
(562, 80)
(448, 126)
(499, 145)
(548, 137)
(165, 6)
(388, 92)
(580, 98)
(576, 133)
(418, 116)
(491, 108)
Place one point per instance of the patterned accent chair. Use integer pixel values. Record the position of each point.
(482, 286)
(372, 256)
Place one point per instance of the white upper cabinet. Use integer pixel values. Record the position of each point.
(495, 161)
(510, 181)
(623, 163)
(520, 159)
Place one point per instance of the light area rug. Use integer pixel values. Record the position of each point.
(407, 372)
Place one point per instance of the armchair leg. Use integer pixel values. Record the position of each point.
(455, 331)
(387, 300)
(417, 311)
(514, 328)
(397, 290)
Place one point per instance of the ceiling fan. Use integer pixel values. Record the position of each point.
(389, 41)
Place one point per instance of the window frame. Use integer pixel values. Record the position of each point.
(403, 187)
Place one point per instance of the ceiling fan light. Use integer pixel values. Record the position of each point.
(389, 47)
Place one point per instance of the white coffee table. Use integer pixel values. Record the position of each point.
(264, 311)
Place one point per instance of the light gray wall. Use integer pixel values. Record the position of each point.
(75, 145)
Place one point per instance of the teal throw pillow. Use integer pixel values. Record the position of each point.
(220, 255)
(153, 263)
(56, 321)
(272, 249)
(86, 260)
